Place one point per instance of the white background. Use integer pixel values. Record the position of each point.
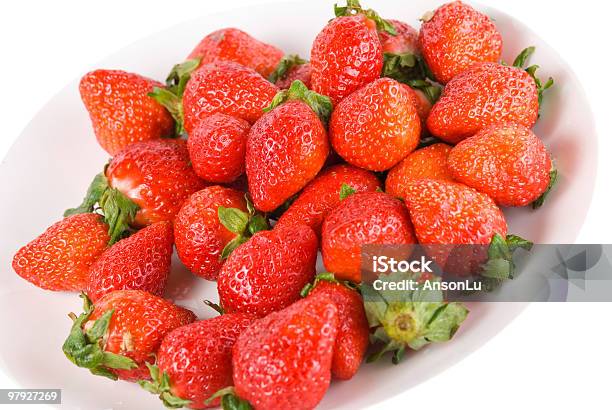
(552, 356)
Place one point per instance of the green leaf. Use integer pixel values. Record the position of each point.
(286, 64)
(554, 176)
(173, 105)
(500, 265)
(83, 348)
(431, 91)
(119, 212)
(346, 191)
(229, 400)
(232, 245)
(233, 219)
(320, 104)
(353, 7)
(160, 385)
(257, 223)
(523, 57)
(179, 76)
(173, 402)
(215, 306)
(92, 197)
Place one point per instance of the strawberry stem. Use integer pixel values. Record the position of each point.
(160, 384)
(286, 64)
(500, 265)
(243, 224)
(521, 60)
(229, 400)
(320, 104)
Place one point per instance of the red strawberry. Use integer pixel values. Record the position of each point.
(484, 94)
(194, 361)
(147, 182)
(421, 103)
(321, 195)
(376, 126)
(362, 219)
(508, 162)
(228, 88)
(217, 147)
(428, 162)
(139, 262)
(353, 330)
(291, 68)
(456, 36)
(118, 335)
(347, 53)
(405, 40)
(212, 223)
(283, 360)
(287, 146)
(267, 273)
(232, 44)
(121, 112)
(59, 259)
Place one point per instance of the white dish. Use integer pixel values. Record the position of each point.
(54, 159)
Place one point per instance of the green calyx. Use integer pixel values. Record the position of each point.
(160, 385)
(554, 176)
(346, 191)
(84, 347)
(353, 7)
(411, 69)
(243, 224)
(327, 277)
(521, 60)
(171, 95)
(283, 67)
(404, 319)
(229, 400)
(320, 104)
(118, 210)
(500, 265)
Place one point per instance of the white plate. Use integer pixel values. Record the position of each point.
(53, 161)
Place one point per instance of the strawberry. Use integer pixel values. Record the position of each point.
(352, 339)
(376, 126)
(405, 40)
(145, 183)
(362, 219)
(194, 361)
(267, 273)
(228, 88)
(120, 110)
(291, 68)
(217, 147)
(59, 259)
(283, 360)
(485, 94)
(428, 162)
(287, 146)
(211, 223)
(140, 262)
(456, 36)
(422, 103)
(321, 195)
(232, 44)
(118, 335)
(508, 162)
(347, 53)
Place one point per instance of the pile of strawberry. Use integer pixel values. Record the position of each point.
(433, 116)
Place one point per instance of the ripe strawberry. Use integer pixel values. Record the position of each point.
(217, 147)
(456, 36)
(283, 360)
(428, 162)
(353, 330)
(59, 259)
(287, 146)
(194, 361)
(267, 273)
(321, 195)
(376, 126)
(228, 88)
(362, 219)
(508, 162)
(120, 110)
(291, 68)
(405, 40)
(347, 53)
(211, 223)
(485, 94)
(118, 335)
(232, 44)
(147, 182)
(422, 103)
(139, 262)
